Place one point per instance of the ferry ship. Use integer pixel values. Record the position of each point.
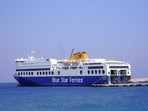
(78, 70)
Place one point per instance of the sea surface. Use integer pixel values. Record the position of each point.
(13, 98)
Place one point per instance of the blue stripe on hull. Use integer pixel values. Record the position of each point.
(62, 80)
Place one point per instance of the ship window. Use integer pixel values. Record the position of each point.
(40, 73)
(118, 66)
(58, 72)
(99, 71)
(26, 73)
(49, 72)
(88, 71)
(92, 72)
(31, 73)
(18, 73)
(81, 72)
(37, 73)
(80, 67)
(46, 73)
(43, 73)
(52, 72)
(103, 72)
(95, 71)
(95, 67)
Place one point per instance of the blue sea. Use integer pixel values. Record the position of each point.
(13, 98)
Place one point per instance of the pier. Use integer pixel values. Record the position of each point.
(133, 83)
(120, 85)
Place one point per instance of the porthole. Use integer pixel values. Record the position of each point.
(37, 73)
(58, 72)
(92, 72)
(103, 72)
(43, 73)
(40, 73)
(52, 72)
(95, 71)
(49, 72)
(99, 71)
(81, 72)
(18, 73)
(46, 73)
(88, 71)
(26, 73)
(31, 73)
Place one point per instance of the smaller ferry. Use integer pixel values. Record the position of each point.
(78, 70)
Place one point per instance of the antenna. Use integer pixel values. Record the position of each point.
(72, 52)
(32, 53)
(28, 55)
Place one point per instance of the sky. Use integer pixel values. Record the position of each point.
(110, 29)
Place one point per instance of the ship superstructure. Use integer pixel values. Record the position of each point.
(78, 70)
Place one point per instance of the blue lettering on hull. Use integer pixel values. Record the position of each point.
(62, 81)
